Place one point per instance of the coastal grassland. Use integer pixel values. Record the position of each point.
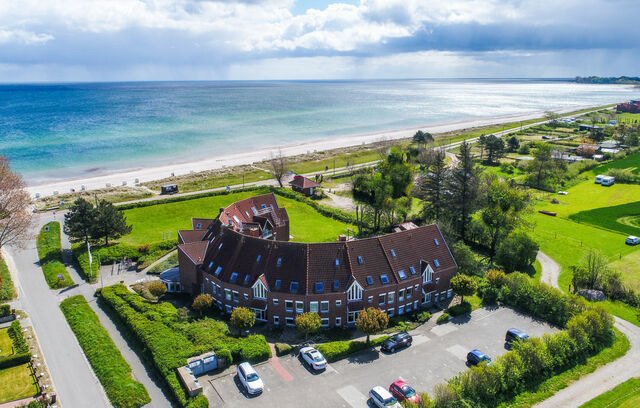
(228, 176)
(628, 117)
(17, 382)
(110, 367)
(631, 162)
(113, 194)
(7, 291)
(625, 395)
(150, 222)
(50, 253)
(168, 339)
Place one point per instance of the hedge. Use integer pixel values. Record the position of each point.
(5, 310)
(14, 360)
(108, 363)
(19, 342)
(443, 318)
(282, 349)
(330, 212)
(7, 291)
(50, 253)
(149, 203)
(337, 350)
(460, 309)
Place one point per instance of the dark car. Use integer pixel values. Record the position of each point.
(398, 340)
(476, 357)
(515, 335)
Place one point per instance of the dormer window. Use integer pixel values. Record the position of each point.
(278, 283)
(319, 287)
(360, 260)
(369, 280)
(198, 225)
(413, 270)
(402, 274)
(393, 253)
(246, 279)
(234, 277)
(384, 279)
(218, 270)
(336, 284)
(436, 263)
(293, 287)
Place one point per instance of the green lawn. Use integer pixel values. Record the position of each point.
(6, 345)
(204, 181)
(629, 266)
(629, 117)
(149, 223)
(17, 382)
(110, 367)
(7, 292)
(50, 253)
(625, 395)
(630, 162)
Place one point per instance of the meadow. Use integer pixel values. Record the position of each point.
(625, 395)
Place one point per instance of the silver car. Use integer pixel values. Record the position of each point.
(250, 379)
(313, 358)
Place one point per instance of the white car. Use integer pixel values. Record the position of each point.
(313, 358)
(383, 398)
(632, 240)
(250, 379)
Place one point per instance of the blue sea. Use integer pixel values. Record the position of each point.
(59, 131)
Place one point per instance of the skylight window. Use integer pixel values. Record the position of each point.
(218, 270)
(258, 258)
(413, 270)
(402, 274)
(247, 212)
(210, 265)
(319, 287)
(255, 212)
(336, 284)
(393, 253)
(263, 206)
(384, 279)
(234, 277)
(337, 262)
(246, 278)
(369, 280)
(278, 283)
(198, 225)
(360, 260)
(436, 263)
(293, 287)
(436, 241)
(279, 262)
(236, 219)
(220, 246)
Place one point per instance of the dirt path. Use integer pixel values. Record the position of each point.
(604, 378)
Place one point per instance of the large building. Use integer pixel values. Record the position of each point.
(243, 258)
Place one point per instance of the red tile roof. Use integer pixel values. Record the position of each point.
(187, 236)
(303, 182)
(195, 250)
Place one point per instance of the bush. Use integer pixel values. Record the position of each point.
(490, 295)
(199, 401)
(15, 360)
(462, 308)
(308, 323)
(157, 288)
(443, 318)
(6, 285)
(202, 303)
(516, 252)
(337, 350)
(225, 355)
(110, 367)
(423, 317)
(5, 310)
(465, 259)
(242, 318)
(282, 349)
(624, 175)
(19, 342)
(330, 212)
(50, 254)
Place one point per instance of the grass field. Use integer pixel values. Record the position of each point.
(149, 223)
(629, 117)
(110, 367)
(50, 253)
(16, 383)
(7, 291)
(630, 162)
(625, 395)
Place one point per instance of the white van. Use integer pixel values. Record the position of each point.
(607, 181)
(599, 178)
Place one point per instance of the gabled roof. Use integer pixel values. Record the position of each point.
(195, 250)
(187, 236)
(303, 182)
(204, 223)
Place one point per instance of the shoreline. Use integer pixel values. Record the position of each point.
(142, 175)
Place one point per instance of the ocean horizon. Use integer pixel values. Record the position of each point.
(73, 130)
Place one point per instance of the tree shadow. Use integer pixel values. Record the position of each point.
(364, 357)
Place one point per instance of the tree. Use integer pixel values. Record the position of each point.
(551, 116)
(495, 149)
(372, 190)
(465, 259)
(591, 271)
(157, 288)
(308, 323)
(109, 222)
(462, 185)
(202, 302)
(433, 187)
(513, 143)
(516, 252)
(423, 138)
(464, 285)
(80, 220)
(15, 217)
(371, 320)
(542, 166)
(242, 319)
(278, 165)
(398, 172)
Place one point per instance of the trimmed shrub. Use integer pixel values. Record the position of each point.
(199, 401)
(282, 349)
(490, 295)
(423, 317)
(443, 318)
(19, 342)
(7, 292)
(225, 355)
(337, 350)
(5, 310)
(460, 309)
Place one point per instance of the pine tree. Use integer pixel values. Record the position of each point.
(80, 220)
(110, 223)
(462, 187)
(433, 185)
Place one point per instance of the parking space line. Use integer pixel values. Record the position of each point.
(330, 369)
(458, 351)
(444, 329)
(352, 396)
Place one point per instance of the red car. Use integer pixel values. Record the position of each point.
(403, 392)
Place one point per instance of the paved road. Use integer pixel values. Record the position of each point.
(437, 353)
(604, 378)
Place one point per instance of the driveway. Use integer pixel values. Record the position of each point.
(437, 353)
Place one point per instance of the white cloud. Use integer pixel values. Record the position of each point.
(23, 37)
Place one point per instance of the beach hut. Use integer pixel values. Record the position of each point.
(303, 185)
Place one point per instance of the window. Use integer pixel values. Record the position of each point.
(288, 305)
(450, 293)
(391, 296)
(354, 292)
(263, 206)
(336, 284)
(402, 274)
(436, 241)
(413, 270)
(259, 291)
(437, 281)
(338, 321)
(255, 212)
(390, 312)
(360, 260)
(393, 253)
(227, 294)
(236, 296)
(246, 279)
(338, 303)
(370, 299)
(234, 277)
(325, 322)
(384, 279)
(279, 262)
(210, 265)
(293, 287)
(382, 298)
(289, 321)
(258, 258)
(278, 283)
(319, 287)
(352, 316)
(408, 307)
(369, 280)
(313, 307)
(276, 320)
(426, 298)
(220, 246)
(324, 306)
(246, 296)
(218, 270)
(337, 262)
(400, 310)
(275, 302)
(436, 263)
(198, 225)
(409, 292)
(427, 274)
(299, 306)
(400, 295)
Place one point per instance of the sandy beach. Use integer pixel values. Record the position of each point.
(130, 177)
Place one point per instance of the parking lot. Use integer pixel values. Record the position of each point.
(437, 353)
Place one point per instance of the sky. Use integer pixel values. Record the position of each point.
(130, 40)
